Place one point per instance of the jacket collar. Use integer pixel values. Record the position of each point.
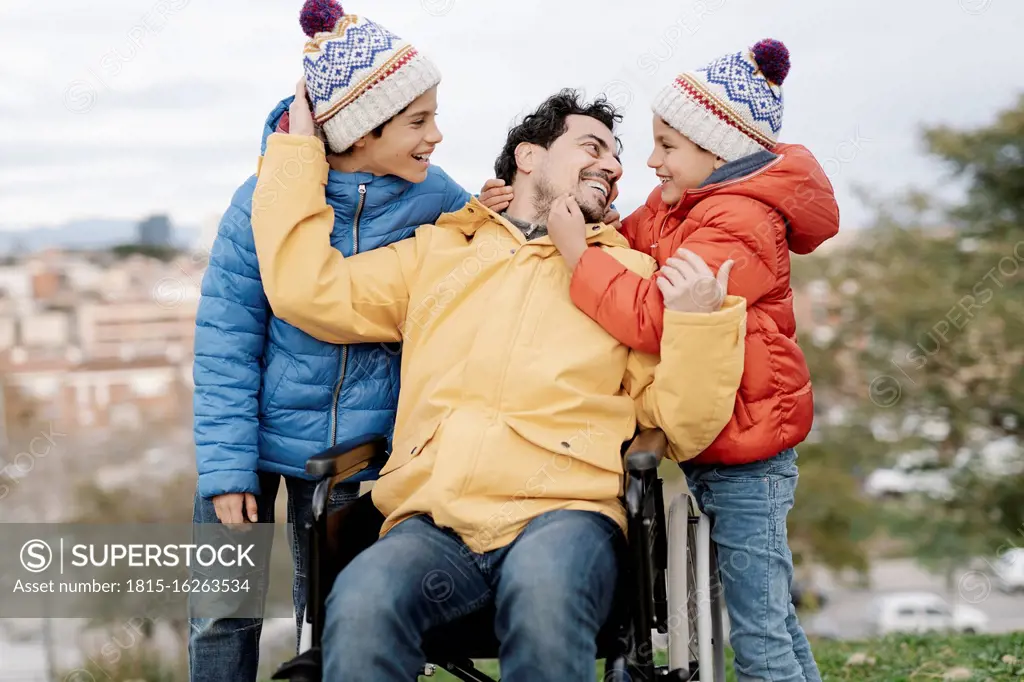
(731, 173)
(343, 188)
(474, 215)
(740, 168)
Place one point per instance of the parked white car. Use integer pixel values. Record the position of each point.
(921, 472)
(898, 481)
(1009, 570)
(914, 472)
(921, 612)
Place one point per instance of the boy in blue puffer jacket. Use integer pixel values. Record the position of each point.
(267, 396)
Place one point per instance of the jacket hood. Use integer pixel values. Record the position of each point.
(277, 117)
(341, 187)
(790, 180)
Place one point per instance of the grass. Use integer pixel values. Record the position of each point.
(968, 658)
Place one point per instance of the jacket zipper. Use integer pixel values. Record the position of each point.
(661, 233)
(343, 361)
(515, 335)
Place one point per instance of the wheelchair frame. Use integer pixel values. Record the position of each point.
(670, 583)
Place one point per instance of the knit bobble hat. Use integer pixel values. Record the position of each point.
(733, 106)
(358, 73)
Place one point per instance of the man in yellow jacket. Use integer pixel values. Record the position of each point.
(503, 482)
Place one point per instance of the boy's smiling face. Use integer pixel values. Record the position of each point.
(404, 145)
(679, 163)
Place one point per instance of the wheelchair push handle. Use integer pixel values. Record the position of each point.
(646, 451)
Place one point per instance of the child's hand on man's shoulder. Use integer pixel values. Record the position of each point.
(495, 195)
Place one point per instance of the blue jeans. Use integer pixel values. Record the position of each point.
(747, 505)
(553, 588)
(227, 649)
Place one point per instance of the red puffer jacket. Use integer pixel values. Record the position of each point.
(755, 211)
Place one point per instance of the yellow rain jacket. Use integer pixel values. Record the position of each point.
(513, 402)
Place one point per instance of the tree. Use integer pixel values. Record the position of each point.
(831, 522)
(991, 160)
(936, 324)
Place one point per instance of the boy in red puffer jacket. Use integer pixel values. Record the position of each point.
(729, 192)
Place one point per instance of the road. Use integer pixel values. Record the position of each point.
(847, 614)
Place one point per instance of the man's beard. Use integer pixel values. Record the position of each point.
(544, 194)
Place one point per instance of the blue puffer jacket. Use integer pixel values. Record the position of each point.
(268, 396)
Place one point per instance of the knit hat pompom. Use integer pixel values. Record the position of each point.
(320, 16)
(772, 58)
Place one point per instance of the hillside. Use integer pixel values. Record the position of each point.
(83, 234)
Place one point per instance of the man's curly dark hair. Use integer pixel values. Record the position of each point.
(547, 124)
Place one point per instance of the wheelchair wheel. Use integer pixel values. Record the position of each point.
(710, 606)
(696, 636)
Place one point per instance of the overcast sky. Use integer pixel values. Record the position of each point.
(121, 108)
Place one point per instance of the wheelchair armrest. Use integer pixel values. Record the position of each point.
(341, 462)
(330, 467)
(348, 457)
(646, 451)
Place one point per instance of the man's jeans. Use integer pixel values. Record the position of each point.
(227, 649)
(747, 505)
(553, 588)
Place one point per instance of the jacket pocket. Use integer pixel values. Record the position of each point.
(597, 444)
(277, 366)
(409, 446)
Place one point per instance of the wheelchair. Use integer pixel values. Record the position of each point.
(669, 580)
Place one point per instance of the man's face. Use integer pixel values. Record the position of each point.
(583, 163)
